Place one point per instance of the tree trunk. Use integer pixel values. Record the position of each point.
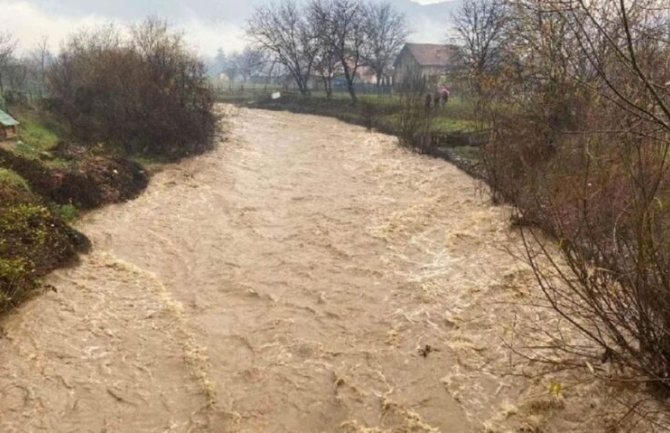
(327, 86)
(302, 86)
(350, 85)
(350, 77)
(352, 91)
(380, 83)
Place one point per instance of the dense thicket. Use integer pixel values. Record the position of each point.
(144, 94)
(577, 97)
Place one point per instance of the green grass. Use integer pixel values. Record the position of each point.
(67, 212)
(446, 125)
(11, 178)
(38, 135)
(442, 124)
(38, 129)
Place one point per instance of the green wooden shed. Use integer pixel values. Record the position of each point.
(9, 127)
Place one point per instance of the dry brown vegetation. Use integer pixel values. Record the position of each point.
(577, 94)
(147, 94)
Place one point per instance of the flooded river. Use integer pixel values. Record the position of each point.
(307, 276)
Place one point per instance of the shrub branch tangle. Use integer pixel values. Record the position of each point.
(148, 94)
(580, 110)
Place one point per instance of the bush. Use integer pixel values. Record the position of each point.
(581, 144)
(415, 117)
(67, 212)
(16, 281)
(145, 95)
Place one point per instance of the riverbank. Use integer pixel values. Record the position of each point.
(454, 134)
(307, 275)
(44, 185)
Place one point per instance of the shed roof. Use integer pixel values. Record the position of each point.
(7, 120)
(431, 54)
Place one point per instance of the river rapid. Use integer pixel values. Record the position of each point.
(306, 276)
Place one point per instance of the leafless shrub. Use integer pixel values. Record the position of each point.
(148, 94)
(580, 145)
(414, 119)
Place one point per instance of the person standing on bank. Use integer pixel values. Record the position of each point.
(444, 96)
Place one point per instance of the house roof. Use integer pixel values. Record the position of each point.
(431, 54)
(7, 120)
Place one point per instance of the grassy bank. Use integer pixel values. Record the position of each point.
(34, 239)
(44, 185)
(454, 133)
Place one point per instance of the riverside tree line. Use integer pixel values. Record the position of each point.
(326, 38)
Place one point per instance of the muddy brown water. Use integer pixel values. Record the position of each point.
(307, 276)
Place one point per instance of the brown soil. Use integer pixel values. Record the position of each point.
(85, 180)
(33, 242)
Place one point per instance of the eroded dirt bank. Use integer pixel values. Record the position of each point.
(307, 276)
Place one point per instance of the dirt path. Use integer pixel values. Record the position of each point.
(286, 282)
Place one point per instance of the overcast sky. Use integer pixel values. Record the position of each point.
(208, 24)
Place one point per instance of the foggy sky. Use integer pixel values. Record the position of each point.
(208, 24)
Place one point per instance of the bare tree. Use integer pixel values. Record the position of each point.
(251, 62)
(480, 25)
(283, 31)
(344, 30)
(41, 57)
(386, 32)
(327, 66)
(326, 62)
(231, 67)
(17, 76)
(7, 47)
